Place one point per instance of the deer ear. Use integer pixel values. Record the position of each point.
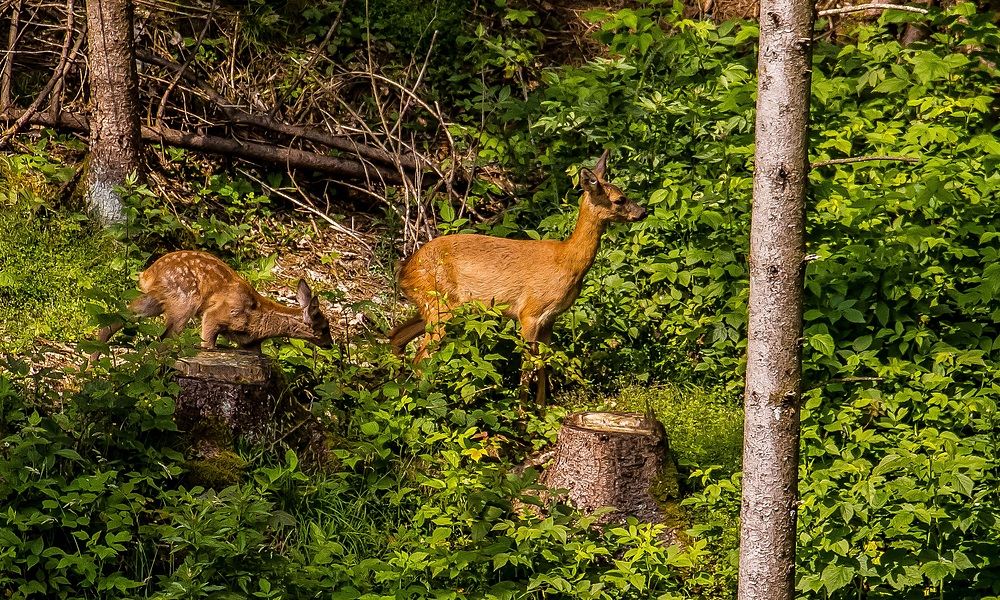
(601, 168)
(589, 181)
(303, 294)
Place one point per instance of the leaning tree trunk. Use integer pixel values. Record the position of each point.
(115, 142)
(774, 352)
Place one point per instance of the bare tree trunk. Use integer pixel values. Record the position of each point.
(774, 352)
(115, 143)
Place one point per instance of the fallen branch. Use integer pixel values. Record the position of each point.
(816, 386)
(267, 153)
(873, 6)
(238, 116)
(854, 159)
(61, 69)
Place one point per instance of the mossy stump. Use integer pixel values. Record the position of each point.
(612, 459)
(234, 389)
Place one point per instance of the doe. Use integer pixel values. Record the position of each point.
(536, 279)
(187, 284)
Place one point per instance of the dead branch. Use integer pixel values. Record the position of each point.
(280, 102)
(8, 63)
(60, 72)
(237, 115)
(874, 5)
(308, 207)
(183, 68)
(267, 153)
(854, 159)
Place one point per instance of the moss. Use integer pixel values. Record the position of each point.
(220, 470)
(211, 432)
(667, 486)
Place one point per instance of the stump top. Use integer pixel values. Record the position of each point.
(614, 422)
(230, 365)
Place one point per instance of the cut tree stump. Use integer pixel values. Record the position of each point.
(613, 459)
(234, 388)
(229, 393)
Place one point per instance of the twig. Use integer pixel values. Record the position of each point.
(841, 380)
(191, 56)
(420, 79)
(874, 5)
(61, 69)
(310, 209)
(854, 159)
(280, 102)
(8, 63)
(71, 181)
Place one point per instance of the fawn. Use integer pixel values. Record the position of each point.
(537, 279)
(187, 284)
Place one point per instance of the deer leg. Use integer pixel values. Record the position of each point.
(442, 314)
(544, 337)
(529, 331)
(211, 326)
(175, 325)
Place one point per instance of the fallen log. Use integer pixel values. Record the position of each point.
(277, 155)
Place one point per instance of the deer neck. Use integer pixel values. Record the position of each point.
(581, 247)
(274, 320)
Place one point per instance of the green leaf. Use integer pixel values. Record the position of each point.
(835, 577)
(823, 343)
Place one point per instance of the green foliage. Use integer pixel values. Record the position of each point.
(704, 430)
(899, 464)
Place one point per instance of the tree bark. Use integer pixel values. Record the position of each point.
(774, 352)
(115, 142)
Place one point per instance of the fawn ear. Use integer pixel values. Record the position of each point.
(601, 168)
(303, 294)
(589, 181)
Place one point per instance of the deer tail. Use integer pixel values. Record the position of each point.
(402, 334)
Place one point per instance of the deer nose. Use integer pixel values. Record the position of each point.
(639, 215)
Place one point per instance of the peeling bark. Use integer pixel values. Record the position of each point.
(777, 266)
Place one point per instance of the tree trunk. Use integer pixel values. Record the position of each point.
(774, 352)
(611, 459)
(115, 143)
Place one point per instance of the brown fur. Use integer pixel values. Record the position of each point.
(187, 284)
(537, 279)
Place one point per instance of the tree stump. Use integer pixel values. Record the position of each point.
(233, 389)
(228, 394)
(612, 459)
